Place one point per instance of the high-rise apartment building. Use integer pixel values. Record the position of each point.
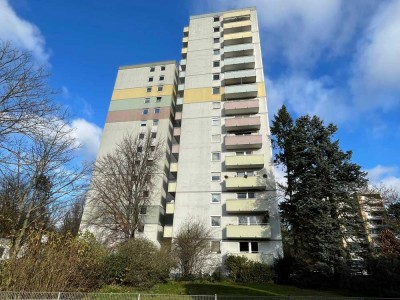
(213, 112)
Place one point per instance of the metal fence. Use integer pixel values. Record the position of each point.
(139, 296)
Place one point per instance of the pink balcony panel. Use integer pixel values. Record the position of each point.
(175, 148)
(177, 131)
(178, 116)
(238, 123)
(243, 142)
(241, 107)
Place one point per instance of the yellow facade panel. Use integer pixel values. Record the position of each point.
(236, 14)
(238, 35)
(141, 92)
(237, 24)
(202, 95)
(261, 89)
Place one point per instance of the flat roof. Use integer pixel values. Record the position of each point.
(158, 63)
(221, 12)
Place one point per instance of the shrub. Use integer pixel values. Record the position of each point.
(241, 269)
(137, 263)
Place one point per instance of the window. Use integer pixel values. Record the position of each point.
(145, 111)
(157, 110)
(148, 89)
(216, 40)
(216, 105)
(141, 228)
(143, 123)
(215, 76)
(143, 210)
(215, 221)
(137, 162)
(240, 153)
(216, 63)
(216, 29)
(216, 19)
(215, 176)
(253, 220)
(147, 100)
(215, 90)
(158, 99)
(215, 121)
(244, 173)
(216, 156)
(249, 195)
(141, 136)
(152, 69)
(139, 149)
(162, 68)
(146, 194)
(216, 138)
(215, 247)
(216, 51)
(248, 247)
(160, 88)
(152, 148)
(215, 198)
(151, 79)
(155, 122)
(153, 135)
(162, 78)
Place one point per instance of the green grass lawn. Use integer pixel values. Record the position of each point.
(226, 288)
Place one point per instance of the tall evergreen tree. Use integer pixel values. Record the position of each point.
(319, 209)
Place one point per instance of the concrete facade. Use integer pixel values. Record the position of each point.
(213, 112)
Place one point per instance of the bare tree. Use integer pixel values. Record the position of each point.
(191, 248)
(25, 98)
(121, 185)
(41, 178)
(72, 219)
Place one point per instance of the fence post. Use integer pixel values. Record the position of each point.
(59, 296)
(215, 298)
(138, 297)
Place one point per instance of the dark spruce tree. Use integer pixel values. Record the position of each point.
(321, 217)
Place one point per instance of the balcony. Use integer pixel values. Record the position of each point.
(178, 116)
(186, 29)
(258, 257)
(171, 187)
(234, 142)
(185, 40)
(239, 63)
(241, 91)
(238, 50)
(173, 168)
(179, 101)
(245, 183)
(238, 38)
(232, 16)
(235, 27)
(181, 87)
(246, 205)
(177, 131)
(242, 123)
(182, 74)
(241, 107)
(239, 77)
(184, 50)
(182, 62)
(168, 231)
(170, 208)
(175, 150)
(244, 161)
(248, 231)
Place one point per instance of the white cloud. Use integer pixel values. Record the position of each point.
(308, 96)
(376, 68)
(384, 175)
(88, 136)
(21, 33)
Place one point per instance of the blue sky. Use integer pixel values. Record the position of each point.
(338, 59)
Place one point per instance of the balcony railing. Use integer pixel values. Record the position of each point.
(171, 187)
(244, 161)
(178, 116)
(235, 27)
(245, 183)
(248, 231)
(238, 123)
(238, 50)
(241, 107)
(239, 77)
(168, 231)
(238, 38)
(170, 208)
(258, 257)
(246, 205)
(243, 142)
(173, 168)
(239, 63)
(241, 91)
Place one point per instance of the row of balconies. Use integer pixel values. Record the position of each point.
(262, 231)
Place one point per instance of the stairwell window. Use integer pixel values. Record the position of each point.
(216, 138)
(215, 121)
(216, 40)
(148, 89)
(143, 124)
(215, 247)
(158, 99)
(216, 63)
(160, 88)
(216, 156)
(152, 69)
(155, 122)
(151, 79)
(216, 90)
(215, 76)
(215, 176)
(216, 105)
(215, 198)
(162, 68)
(162, 78)
(157, 110)
(145, 111)
(215, 221)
